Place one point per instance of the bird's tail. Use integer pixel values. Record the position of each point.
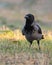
(42, 36)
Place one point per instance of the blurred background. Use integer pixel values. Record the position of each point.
(14, 48)
(12, 13)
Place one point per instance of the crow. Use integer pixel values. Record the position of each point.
(32, 30)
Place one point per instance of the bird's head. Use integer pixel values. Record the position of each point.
(29, 18)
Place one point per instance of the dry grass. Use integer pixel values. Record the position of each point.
(19, 53)
(24, 59)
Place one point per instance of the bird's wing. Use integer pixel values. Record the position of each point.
(23, 31)
(37, 28)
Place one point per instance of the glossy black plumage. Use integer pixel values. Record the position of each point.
(32, 30)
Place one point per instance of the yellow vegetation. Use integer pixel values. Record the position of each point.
(12, 35)
(48, 35)
(17, 35)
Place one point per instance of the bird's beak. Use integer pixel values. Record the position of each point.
(26, 17)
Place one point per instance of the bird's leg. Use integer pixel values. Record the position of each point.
(38, 44)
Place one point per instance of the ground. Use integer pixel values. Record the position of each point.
(19, 53)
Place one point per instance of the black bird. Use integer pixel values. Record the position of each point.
(32, 30)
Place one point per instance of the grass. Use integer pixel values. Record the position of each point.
(19, 53)
(20, 50)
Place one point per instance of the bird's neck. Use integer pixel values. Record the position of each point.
(28, 28)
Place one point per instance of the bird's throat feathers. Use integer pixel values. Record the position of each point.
(28, 28)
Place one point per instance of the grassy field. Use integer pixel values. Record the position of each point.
(14, 48)
(19, 53)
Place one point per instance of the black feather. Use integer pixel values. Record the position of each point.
(32, 32)
(39, 30)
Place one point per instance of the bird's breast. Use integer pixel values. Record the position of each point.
(33, 36)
